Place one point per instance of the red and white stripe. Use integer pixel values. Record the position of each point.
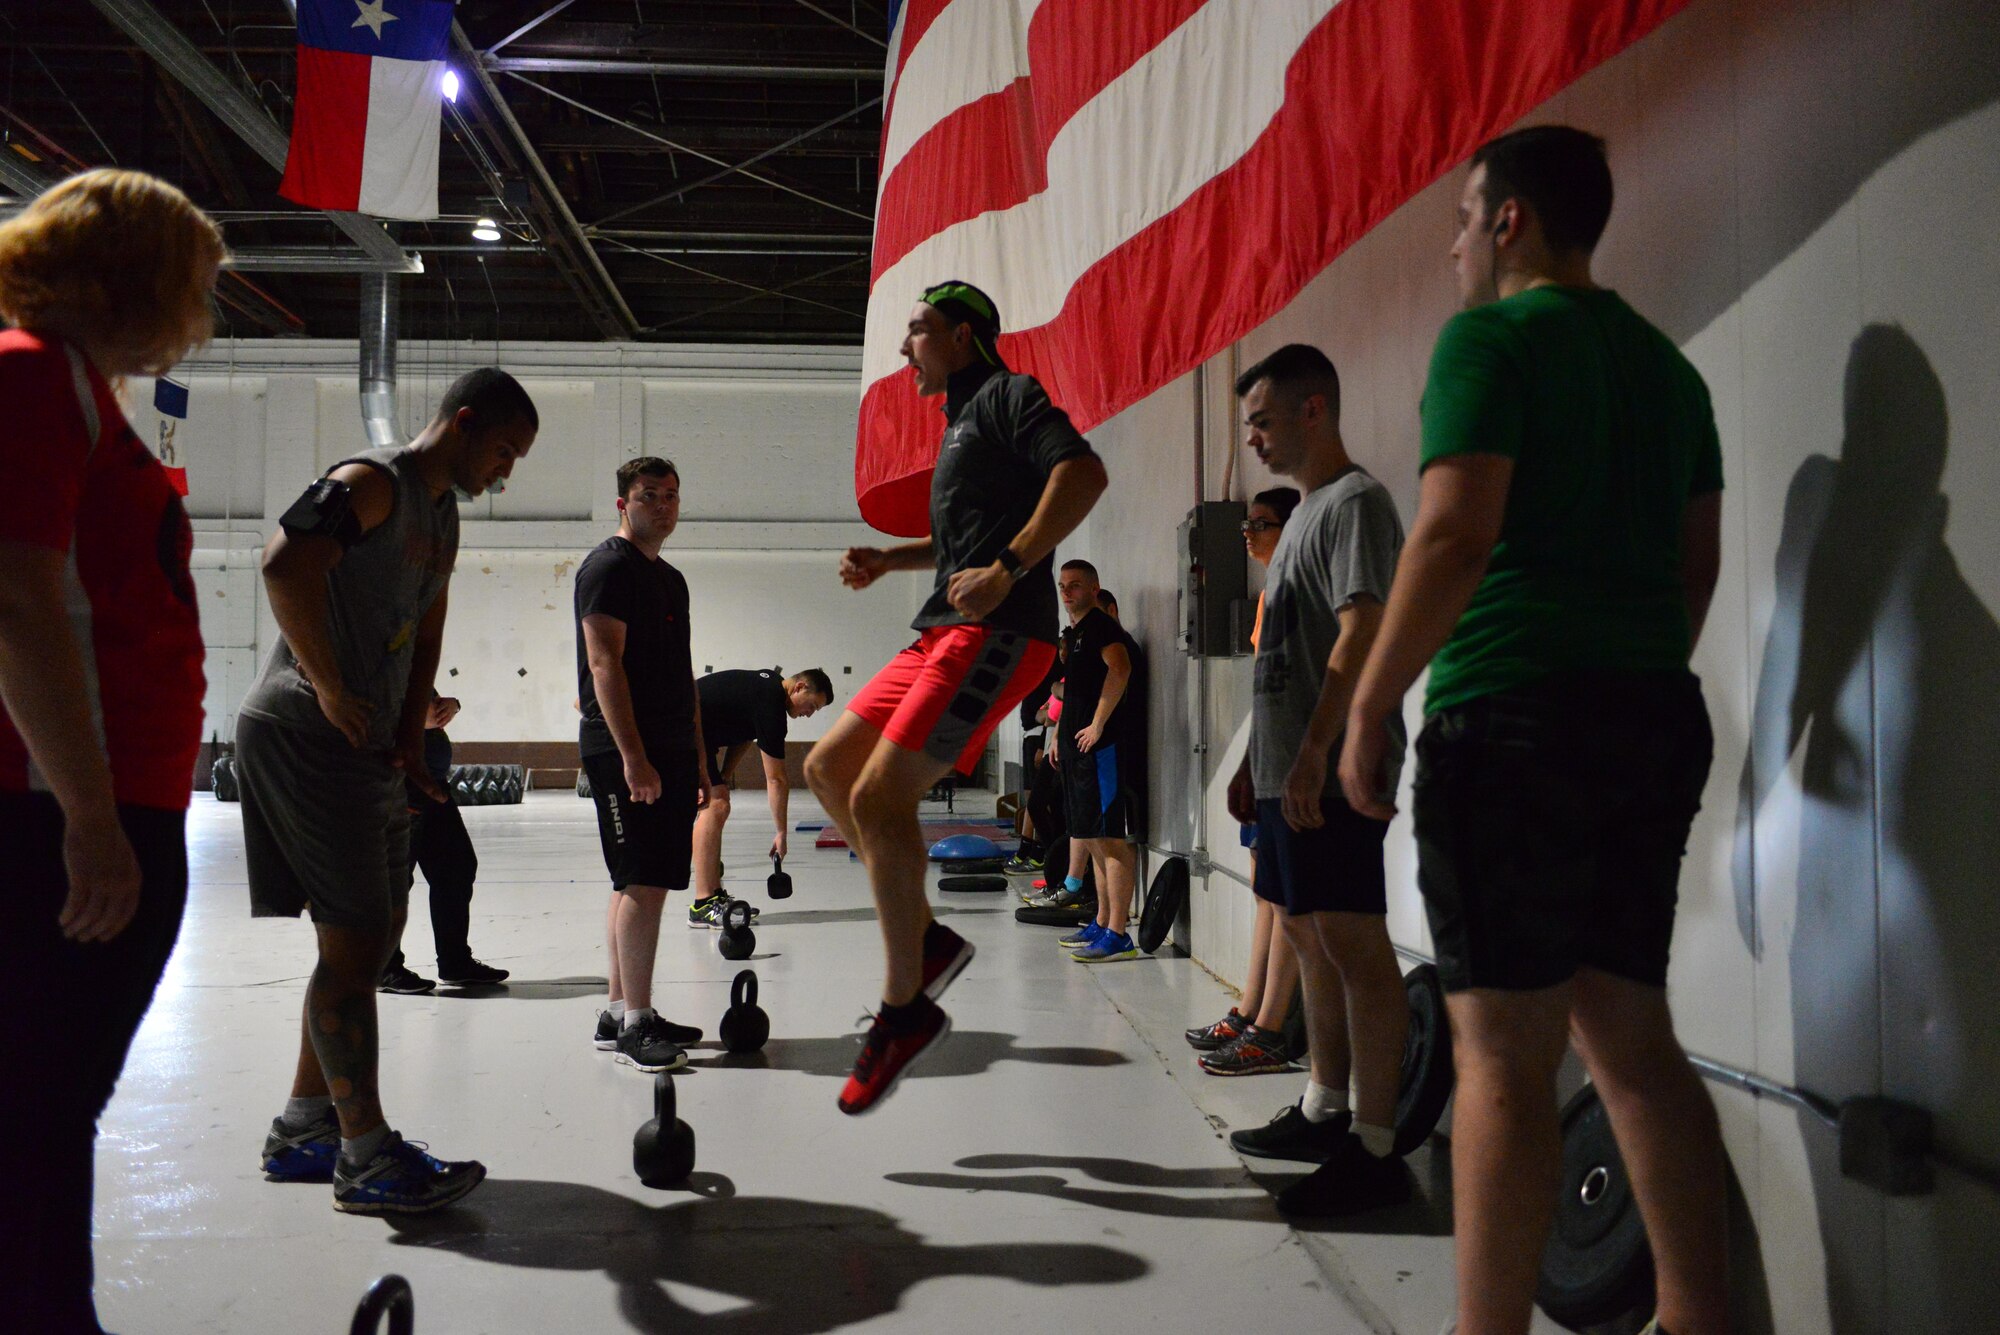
(1140, 184)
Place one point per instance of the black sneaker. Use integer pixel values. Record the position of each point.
(470, 973)
(402, 1179)
(302, 1153)
(606, 1037)
(647, 1047)
(1351, 1181)
(404, 982)
(1290, 1136)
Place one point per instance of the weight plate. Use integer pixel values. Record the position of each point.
(970, 866)
(1427, 1071)
(1056, 917)
(1164, 900)
(1597, 1266)
(972, 885)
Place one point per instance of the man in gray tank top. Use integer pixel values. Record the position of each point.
(325, 741)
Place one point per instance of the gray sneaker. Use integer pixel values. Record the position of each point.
(402, 1179)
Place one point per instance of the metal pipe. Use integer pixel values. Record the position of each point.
(616, 319)
(318, 261)
(670, 234)
(378, 360)
(675, 68)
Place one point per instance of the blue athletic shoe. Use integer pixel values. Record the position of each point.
(402, 1179)
(1082, 936)
(302, 1155)
(1107, 947)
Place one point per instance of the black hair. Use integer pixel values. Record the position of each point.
(1085, 566)
(1280, 501)
(1106, 599)
(1296, 370)
(496, 399)
(818, 681)
(1559, 172)
(646, 465)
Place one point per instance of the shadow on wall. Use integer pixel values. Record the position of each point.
(797, 1266)
(1884, 664)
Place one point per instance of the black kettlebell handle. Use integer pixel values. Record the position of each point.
(743, 992)
(777, 862)
(737, 916)
(664, 1103)
(390, 1294)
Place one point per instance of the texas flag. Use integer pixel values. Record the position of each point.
(365, 126)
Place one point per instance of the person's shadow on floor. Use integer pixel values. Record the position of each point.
(965, 1052)
(796, 1266)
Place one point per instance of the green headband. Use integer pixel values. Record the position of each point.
(965, 304)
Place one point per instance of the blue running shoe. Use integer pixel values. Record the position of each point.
(304, 1154)
(1108, 946)
(1081, 937)
(402, 1179)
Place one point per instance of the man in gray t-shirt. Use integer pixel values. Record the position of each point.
(1317, 858)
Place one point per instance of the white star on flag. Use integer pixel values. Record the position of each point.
(373, 16)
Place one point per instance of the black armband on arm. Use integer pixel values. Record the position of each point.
(324, 510)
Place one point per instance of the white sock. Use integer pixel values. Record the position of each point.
(636, 1017)
(301, 1113)
(362, 1148)
(1379, 1141)
(1322, 1104)
(617, 1010)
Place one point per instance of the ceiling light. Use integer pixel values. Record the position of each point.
(485, 230)
(451, 85)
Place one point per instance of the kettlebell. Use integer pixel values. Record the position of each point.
(663, 1149)
(737, 940)
(779, 884)
(388, 1296)
(745, 1026)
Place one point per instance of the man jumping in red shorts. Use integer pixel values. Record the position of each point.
(1013, 479)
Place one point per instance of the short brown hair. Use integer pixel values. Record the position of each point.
(646, 465)
(122, 260)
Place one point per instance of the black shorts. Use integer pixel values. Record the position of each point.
(1551, 821)
(1097, 799)
(645, 843)
(1334, 869)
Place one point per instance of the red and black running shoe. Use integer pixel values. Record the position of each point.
(886, 1055)
(946, 954)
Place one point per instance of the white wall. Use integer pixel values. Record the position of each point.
(1789, 174)
(763, 439)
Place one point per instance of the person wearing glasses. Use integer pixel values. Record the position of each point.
(1249, 1040)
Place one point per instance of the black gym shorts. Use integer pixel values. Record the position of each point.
(1551, 820)
(646, 843)
(1334, 869)
(1097, 802)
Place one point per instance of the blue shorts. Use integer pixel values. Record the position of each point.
(1334, 869)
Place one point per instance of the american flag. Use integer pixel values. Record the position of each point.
(1139, 183)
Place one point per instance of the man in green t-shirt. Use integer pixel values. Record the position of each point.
(1564, 553)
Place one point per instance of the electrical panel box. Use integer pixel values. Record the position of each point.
(1214, 581)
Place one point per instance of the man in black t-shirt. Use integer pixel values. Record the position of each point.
(642, 747)
(1095, 749)
(1013, 478)
(738, 708)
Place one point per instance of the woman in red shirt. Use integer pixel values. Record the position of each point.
(106, 275)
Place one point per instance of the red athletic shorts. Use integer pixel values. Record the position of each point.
(945, 694)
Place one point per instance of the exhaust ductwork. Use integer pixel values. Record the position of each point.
(378, 360)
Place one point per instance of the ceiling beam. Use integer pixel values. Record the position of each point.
(680, 69)
(601, 298)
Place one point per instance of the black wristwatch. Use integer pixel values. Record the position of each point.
(1011, 562)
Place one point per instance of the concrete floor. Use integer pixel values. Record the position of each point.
(1059, 1164)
